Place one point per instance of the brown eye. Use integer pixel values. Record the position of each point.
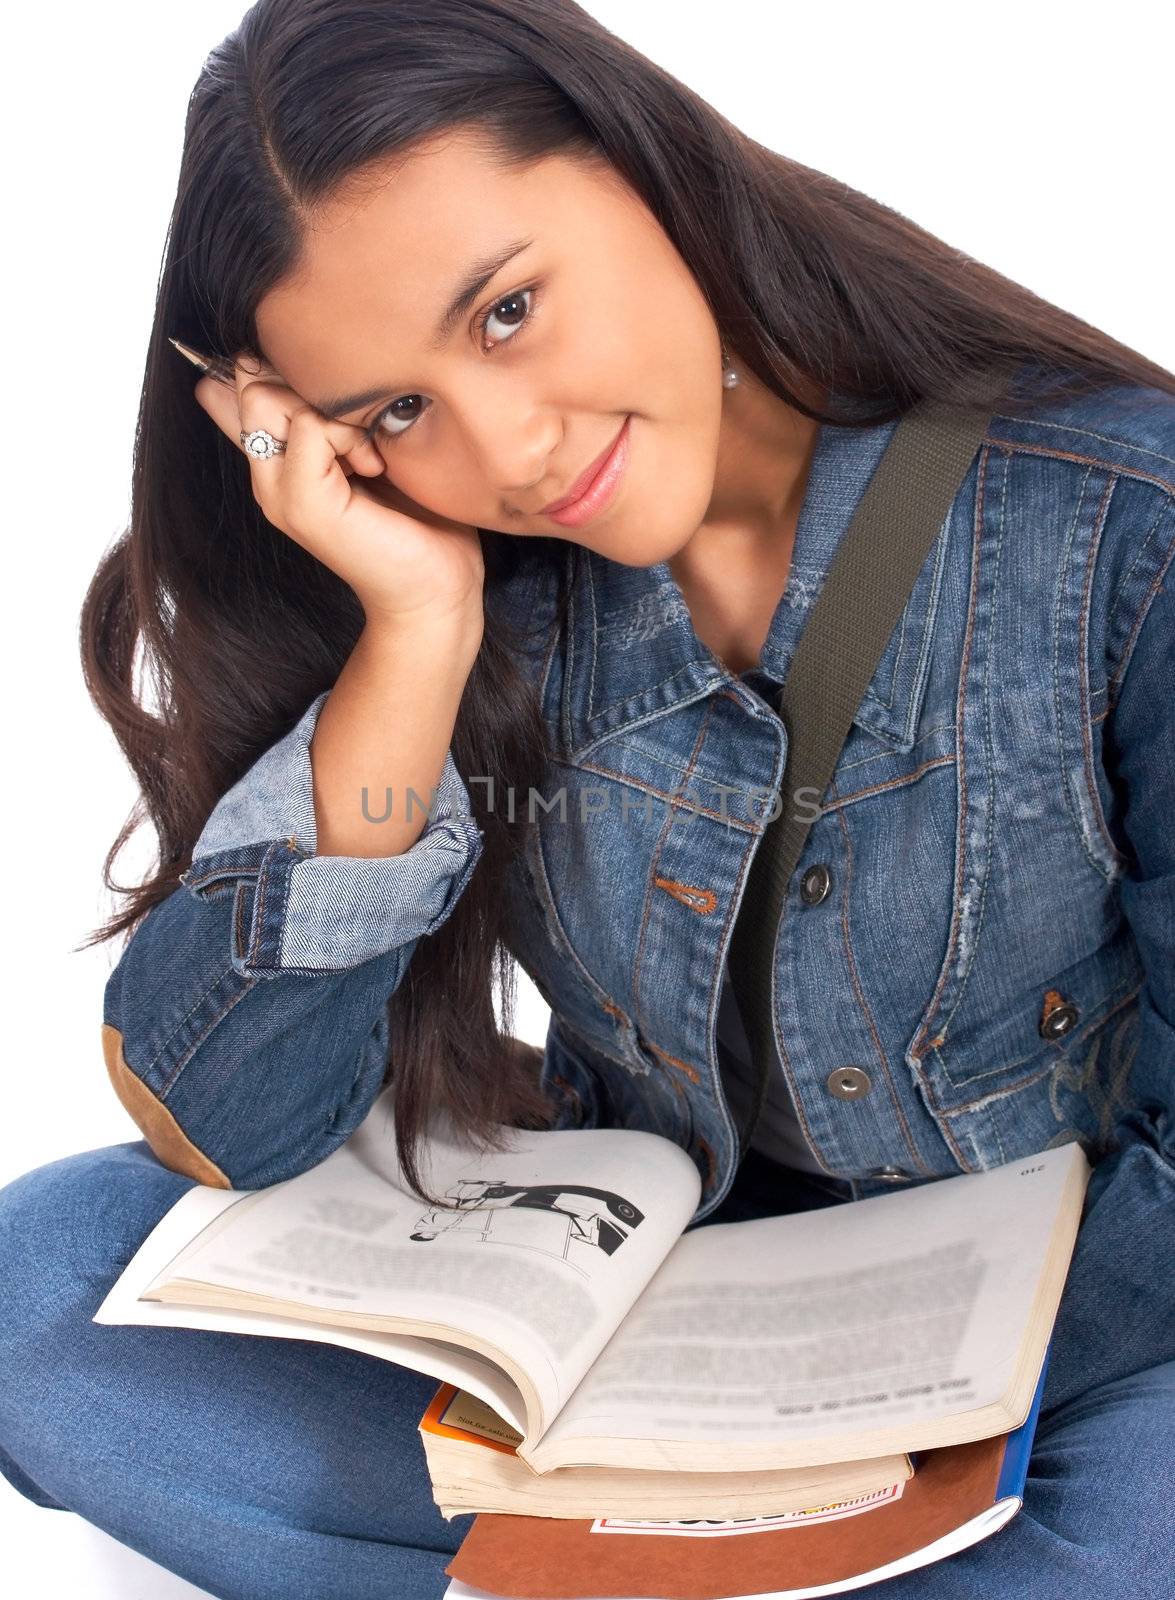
(521, 304)
(395, 414)
(518, 298)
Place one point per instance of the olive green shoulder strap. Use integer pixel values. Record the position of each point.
(858, 607)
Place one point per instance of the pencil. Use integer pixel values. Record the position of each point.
(213, 366)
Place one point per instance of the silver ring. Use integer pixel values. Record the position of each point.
(261, 444)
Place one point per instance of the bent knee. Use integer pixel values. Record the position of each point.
(1087, 1464)
(71, 1226)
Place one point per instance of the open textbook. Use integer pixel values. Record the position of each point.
(559, 1286)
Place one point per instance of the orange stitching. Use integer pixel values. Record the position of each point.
(690, 894)
(239, 925)
(691, 1073)
(919, 1048)
(854, 978)
(699, 746)
(1120, 671)
(711, 1164)
(1023, 1083)
(677, 799)
(1095, 799)
(1072, 455)
(838, 800)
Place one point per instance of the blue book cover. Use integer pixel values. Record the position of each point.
(1018, 1445)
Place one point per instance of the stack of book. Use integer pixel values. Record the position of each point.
(636, 1408)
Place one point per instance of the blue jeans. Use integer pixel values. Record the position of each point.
(274, 1469)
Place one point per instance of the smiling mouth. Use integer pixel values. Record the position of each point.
(602, 480)
(585, 480)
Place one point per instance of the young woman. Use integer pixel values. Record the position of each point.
(469, 262)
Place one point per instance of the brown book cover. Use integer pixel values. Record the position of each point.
(549, 1558)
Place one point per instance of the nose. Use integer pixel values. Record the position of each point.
(516, 455)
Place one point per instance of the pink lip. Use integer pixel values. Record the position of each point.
(594, 488)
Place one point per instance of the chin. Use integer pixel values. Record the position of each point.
(634, 550)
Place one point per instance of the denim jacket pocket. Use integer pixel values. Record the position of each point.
(1015, 1021)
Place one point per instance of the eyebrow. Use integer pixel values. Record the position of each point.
(479, 273)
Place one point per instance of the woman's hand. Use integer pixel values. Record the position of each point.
(405, 564)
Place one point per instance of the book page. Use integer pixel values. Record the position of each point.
(873, 1313)
(537, 1253)
(196, 1209)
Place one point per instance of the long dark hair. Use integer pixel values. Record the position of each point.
(815, 288)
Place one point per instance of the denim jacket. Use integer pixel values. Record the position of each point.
(976, 959)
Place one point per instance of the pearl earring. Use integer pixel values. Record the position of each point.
(729, 375)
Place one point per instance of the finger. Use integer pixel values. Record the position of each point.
(359, 454)
(219, 400)
(315, 449)
(256, 398)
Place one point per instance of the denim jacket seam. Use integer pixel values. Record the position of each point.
(793, 1090)
(887, 754)
(929, 1019)
(674, 798)
(617, 706)
(834, 801)
(638, 957)
(270, 869)
(194, 883)
(942, 1026)
(548, 662)
(1087, 774)
(1074, 455)
(863, 1003)
(247, 982)
(376, 1033)
(1143, 611)
(551, 911)
(1095, 802)
(1141, 560)
(177, 1028)
(1132, 985)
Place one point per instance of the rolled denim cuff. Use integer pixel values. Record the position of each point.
(299, 912)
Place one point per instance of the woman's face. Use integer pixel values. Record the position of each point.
(597, 320)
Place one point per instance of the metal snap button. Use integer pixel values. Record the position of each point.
(891, 1174)
(1059, 1020)
(848, 1083)
(815, 884)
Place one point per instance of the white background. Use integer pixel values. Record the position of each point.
(1035, 137)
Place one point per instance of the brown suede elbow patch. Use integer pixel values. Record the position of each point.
(160, 1129)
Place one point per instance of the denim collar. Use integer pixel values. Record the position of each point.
(633, 654)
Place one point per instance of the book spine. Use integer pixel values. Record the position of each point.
(1018, 1445)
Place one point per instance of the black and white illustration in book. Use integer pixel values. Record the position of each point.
(560, 1220)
